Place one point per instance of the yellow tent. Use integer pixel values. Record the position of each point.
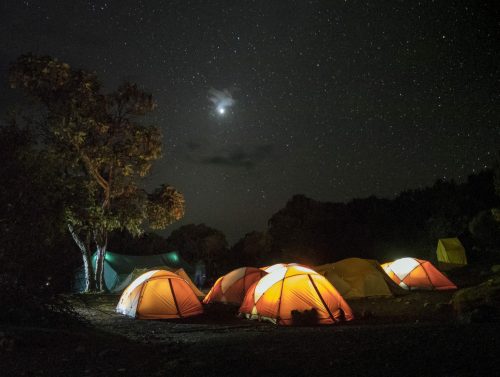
(356, 277)
(450, 253)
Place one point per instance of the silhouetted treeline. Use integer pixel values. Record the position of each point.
(313, 232)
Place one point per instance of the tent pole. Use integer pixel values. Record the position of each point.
(321, 298)
(175, 299)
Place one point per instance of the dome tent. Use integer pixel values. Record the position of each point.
(450, 254)
(117, 268)
(412, 273)
(231, 288)
(356, 277)
(139, 271)
(186, 277)
(277, 266)
(159, 294)
(294, 289)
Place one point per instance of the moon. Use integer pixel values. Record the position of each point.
(221, 99)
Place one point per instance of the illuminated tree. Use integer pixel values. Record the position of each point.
(105, 150)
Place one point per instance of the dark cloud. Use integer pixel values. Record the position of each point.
(240, 158)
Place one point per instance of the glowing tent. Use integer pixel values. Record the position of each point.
(139, 271)
(231, 288)
(294, 289)
(356, 277)
(450, 253)
(412, 273)
(159, 294)
(117, 268)
(193, 286)
(278, 266)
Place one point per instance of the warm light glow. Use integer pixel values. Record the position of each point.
(268, 281)
(402, 267)
(274, 267)
(303, 269)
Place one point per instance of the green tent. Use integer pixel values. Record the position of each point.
(117, 267)
(450, 253)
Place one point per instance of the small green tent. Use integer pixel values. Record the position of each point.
(450, 253)
(117, 267)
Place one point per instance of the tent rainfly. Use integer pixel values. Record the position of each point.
(231, 288)
(278, 266)
(159, 294)
(450, 254)
(412, 273)
(188, 280)
(279, 296)
(139, 271)
(117, 268)
(356, 277)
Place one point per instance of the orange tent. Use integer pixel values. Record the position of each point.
(277, 266)
(193, 286)
(412, 273)
(288, 290)
(231, 288)
(159, 294)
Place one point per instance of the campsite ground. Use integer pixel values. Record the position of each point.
(416, 334)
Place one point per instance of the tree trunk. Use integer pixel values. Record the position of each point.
(90, 282)
(99, 268)
(101, 242)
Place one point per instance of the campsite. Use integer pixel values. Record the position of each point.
(220, 344)
(249, 188)
(389, 325)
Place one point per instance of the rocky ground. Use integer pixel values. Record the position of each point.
(418, 334)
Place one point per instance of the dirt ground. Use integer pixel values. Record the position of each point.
(413, 335)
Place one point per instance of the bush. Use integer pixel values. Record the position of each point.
(41, 307)
(485, 228)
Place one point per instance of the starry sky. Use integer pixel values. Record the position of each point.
(332, 99)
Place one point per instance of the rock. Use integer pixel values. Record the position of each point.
(407, 302)
(80, 349)
(426, 304)
(399, 299)
(480, 303)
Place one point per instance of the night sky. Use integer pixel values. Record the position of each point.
(261, 100)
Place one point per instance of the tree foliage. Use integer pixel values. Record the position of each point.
(34, 259)
(105, 149)
(254, 249)
(200, 242)
(309, 231)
